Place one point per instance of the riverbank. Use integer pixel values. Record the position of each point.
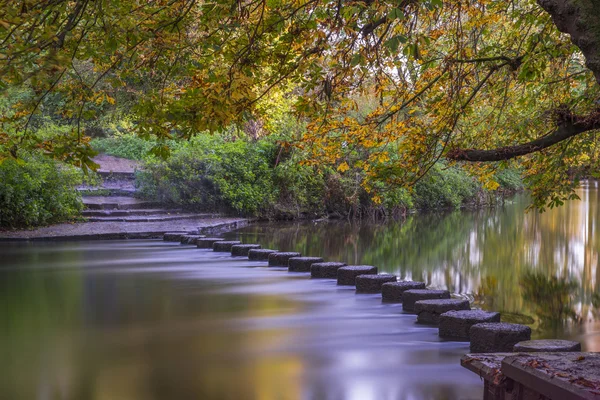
(124, 229)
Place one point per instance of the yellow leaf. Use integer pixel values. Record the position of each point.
(343, 167)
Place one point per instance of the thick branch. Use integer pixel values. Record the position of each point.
(564, 131)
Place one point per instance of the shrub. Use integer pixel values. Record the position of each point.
(212, 174)
(444, 187)
(36, 191)
(123, 145)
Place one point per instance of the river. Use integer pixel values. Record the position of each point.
(145, 319)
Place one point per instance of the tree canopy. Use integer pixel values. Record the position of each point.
(478, 80)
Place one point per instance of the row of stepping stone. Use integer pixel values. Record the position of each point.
(454, 317)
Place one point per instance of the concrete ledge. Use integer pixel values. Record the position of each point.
(124, 230)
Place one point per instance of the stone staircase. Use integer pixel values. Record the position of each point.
(114, 200)
(113, 212)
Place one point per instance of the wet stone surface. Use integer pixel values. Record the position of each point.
(546, 345)
(243, 249)
(429, 311)
(410, 297)
(260, 254)
(346, 276)
(325, 270)
(190, 239)
(500, 337)
(455, 325)
(302, 264)
(207, 243)
(281, 259)
(372, 283)
(392, 291)
(225, 245)
(173, 236)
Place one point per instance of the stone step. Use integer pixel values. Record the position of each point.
(410, 297)
(243, 249)
(392, 291)
(281, 258)
(107, 191)
(497, 337)
(325, 270)
(260, 254)
(372, 283)
(429, 311)
(547, 346)
(302, 264)
(225, 245)
(455, 325)
(131, 213)
(116, 175)
(116, 203)
(147, 218)
(346, 276)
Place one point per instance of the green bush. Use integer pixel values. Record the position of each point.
(36, 191)
(126, 146)
(510, 179)
(444, 187)
(213, 174)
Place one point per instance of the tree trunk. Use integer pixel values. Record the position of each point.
(581, 20)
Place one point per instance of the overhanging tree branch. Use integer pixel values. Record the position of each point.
(569, 127)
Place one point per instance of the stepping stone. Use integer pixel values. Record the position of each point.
(302, 264)
(501, 337)
(243, 249)
(207, 243)
(260, 254)
(173, 236)
(392, 291)
(190, 239)
(546, 345)
(429, 311)
(325, 270)
(455, 325)
(225, 245)
(281, 258)
(346, 276)
(372, 283)
(410, 297)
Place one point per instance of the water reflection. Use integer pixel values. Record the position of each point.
(485, 255)
(145, 320)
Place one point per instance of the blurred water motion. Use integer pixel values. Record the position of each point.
(147, 320)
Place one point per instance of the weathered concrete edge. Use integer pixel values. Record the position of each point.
(207, 230)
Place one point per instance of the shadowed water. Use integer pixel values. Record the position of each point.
(152, 320)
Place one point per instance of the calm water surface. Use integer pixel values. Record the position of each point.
(137, 320)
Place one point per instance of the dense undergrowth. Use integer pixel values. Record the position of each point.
(260, 178)
(36, 190)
